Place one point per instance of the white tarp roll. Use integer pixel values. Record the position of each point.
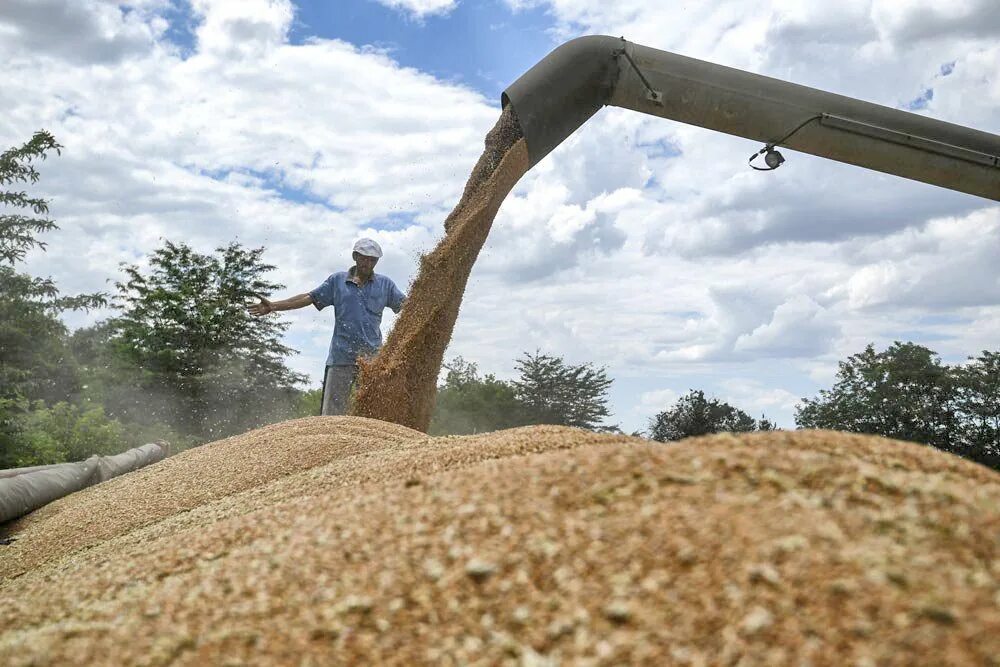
(133, 459)
(24, 490)
(14, 472)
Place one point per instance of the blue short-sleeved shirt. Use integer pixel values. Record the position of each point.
(357, 312)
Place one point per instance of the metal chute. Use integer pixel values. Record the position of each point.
(572, 83)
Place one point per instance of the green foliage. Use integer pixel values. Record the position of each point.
(30, 448)
(978, 406)
(904, 392)
(765, 424)
(79, 432)
(35, 363)
(18, 232)
(468, 403)
(554, 392)
(548, 391)
(185, 351)
(309, 403)
(693, 414)
(199, 360)
(63, 433)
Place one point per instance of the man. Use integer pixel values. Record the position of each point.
(358, 297)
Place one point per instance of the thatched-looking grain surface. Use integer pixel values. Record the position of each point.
(515, 547)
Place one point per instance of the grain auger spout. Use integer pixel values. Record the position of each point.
(572, 83)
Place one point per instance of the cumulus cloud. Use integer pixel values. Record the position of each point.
(742, 323)
(845, 49)
(420, 8)
(949, 263)
(799, 327)
(241, 28)
(89, 31)
(545, 235)
(756, 398)
(834, 226)
(917, 20)
(652, 402)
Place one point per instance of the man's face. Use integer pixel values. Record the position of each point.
(365, 264)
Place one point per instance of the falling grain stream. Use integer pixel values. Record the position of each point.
(399, 385)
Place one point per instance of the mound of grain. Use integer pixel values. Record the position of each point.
(188, 480)
(399, 385)
(799, 548)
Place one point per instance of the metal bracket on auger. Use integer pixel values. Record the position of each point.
(653, 95)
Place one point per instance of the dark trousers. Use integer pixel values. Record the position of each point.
(338, 381)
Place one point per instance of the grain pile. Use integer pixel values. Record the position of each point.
(197, 478)
(781, 548)
(399, 385)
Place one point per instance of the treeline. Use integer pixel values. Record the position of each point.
(903, 392)
(182, 361)
(547, 391)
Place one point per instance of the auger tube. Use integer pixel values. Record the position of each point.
(572, 83)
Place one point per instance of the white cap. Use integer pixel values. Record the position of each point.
(368, 248)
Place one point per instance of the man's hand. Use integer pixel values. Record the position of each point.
(291, 303)
(262, 308)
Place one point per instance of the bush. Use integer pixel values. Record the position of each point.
(693, 414)
(65, 432)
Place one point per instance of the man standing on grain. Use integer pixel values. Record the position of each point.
(358, 297)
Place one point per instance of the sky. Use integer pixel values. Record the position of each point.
(642, 245)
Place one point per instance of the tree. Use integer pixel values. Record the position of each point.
(693, 414)
(904, 392)
(34, 361)
(554, 392)
(469, 403)
(765, 424)
(310, 403)
(204, 365)
(18, 232)
(978, 406)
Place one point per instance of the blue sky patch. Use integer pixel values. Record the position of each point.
(180, 31)
(483, 45)
(921, 101)
(393, 221)
(301, 196)
(660, 148)
(273, 182)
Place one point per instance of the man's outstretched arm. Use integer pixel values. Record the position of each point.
(291, 303)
